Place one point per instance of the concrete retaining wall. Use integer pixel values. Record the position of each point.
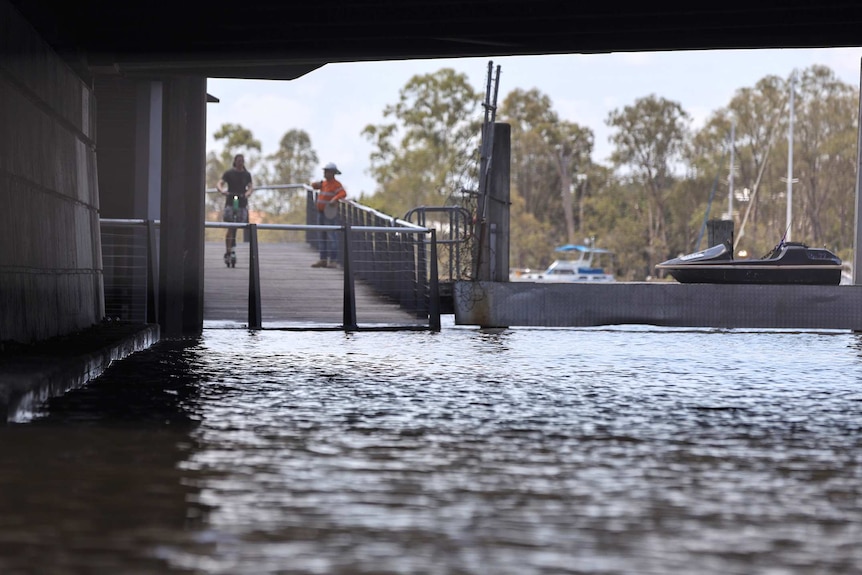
(504, 304)
(50, 253)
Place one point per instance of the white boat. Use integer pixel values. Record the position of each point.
(583, 268)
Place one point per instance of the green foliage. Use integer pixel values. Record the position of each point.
(759, 116)
(824, 197)
(237, 140)
(650, 204)
(549, 173)
(427, 152)
(650, 137)
(293, 163)
(617, 212)
(529, 237)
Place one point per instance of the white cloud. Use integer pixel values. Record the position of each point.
(845, 62)
(632, 58)
(699, 115)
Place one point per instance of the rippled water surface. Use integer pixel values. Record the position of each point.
(533, 451)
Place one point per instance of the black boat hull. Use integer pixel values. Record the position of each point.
(789, 275)
(788, 264)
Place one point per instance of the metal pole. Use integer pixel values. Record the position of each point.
(254, 319)
(152, 273)
(857, 236)
(349, 311)
(790, 160)
(434, 289)
(730, 178)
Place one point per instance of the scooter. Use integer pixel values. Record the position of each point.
(230, 258)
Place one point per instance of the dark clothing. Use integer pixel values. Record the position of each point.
(328, 240)
(237, 181)
(235, 215)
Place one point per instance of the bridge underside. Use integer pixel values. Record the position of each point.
(283, 40)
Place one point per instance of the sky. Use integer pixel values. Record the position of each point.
(334, 103)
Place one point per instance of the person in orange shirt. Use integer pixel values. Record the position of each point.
(331, 191)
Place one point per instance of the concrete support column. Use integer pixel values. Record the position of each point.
(148, 145)
(494, 255)
(498, 209)
(182, 207)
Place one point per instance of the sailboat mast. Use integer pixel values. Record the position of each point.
(730, 178)
(790, 159)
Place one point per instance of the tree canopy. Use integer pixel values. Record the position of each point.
(427, 151)
(293, 163)
(664, 180)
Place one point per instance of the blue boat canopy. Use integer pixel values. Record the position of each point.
(580, 248)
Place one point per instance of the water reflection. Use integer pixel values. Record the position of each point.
(96, 482)
(520, 452)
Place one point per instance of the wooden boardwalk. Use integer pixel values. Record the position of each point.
(293, 294)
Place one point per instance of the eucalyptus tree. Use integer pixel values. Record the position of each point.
(573, 145)
(427, 150)
(649, 138)
(532, 171)
(825, 159)
(613, 212)
(756, 117)
(529, 237)
(294, 162)
(235, 140)
(550, 159)
(761, 115)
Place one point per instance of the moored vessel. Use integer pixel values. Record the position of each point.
(786, 263)
(582, 268)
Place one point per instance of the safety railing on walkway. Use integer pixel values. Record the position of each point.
(454, 226)
(397, 261)
(130, 269)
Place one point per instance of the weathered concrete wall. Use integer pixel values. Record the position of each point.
(50, 253)
(505, 304)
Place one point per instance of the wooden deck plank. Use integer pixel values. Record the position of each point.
(292, 292)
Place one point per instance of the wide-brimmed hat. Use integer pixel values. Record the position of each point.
(331, 166)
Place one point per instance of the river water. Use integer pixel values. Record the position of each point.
(618, 450)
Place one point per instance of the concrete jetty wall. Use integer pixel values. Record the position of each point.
(504, 304)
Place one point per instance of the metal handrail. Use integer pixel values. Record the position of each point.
(458, 233)
(254, 300)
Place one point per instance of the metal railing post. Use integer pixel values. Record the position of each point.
(349, 293)
(312, 237)
(393, 257)
(254, 319)
(434, 290)
(152, 273)
(421, 275)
